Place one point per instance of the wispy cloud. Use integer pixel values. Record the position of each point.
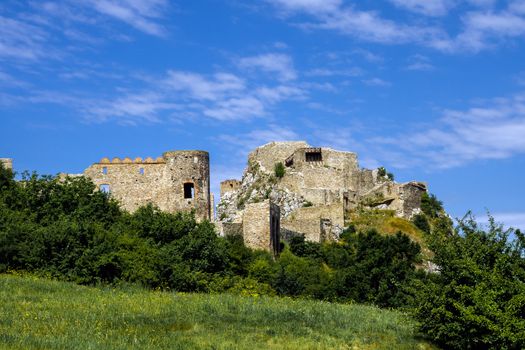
(484, 30)
(512, 219)
(481, 28)
(22, 41)
(330, 72)
(140, 14)
(491, 131)
(363, 25)
(426, 7)
(377, 82)
(309, 6)
(280, 64)
(419, 63)
(257, 137)
(178, 95)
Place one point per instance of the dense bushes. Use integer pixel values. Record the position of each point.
(477, 301)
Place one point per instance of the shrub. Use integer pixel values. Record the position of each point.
(430, 205)
(477, 301)
(279, 170)
(421, 222)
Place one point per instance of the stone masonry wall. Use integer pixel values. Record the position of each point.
(308, 222)
(229, 186)
(160, 181)
(256, 225)
(319, 188)
(7, 162)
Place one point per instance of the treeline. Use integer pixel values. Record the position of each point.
(63, 228)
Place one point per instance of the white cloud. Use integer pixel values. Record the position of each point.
(310, 6)
(140, 14)
(368, 55)
(492, 131)
(482, 28)
(377, 82)
(202, 88)
(517, 6)
(254, 138)
(513, 219)
(328, 72)
(236, 108)
(131, 109)
(21, 40)
(364, 25)
(369, 26)
(278, 63)
(426, 7)
(419, 63)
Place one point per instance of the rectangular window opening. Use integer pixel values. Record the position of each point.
(105, 170)
(104, 188)
(189, 190)
(314, 157)
(141, 171)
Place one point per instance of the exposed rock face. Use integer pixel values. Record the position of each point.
(318, 188)
(177, 181)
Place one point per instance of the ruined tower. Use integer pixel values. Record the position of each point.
(177, 181)
(7, 162)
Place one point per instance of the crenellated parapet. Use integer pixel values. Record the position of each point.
(175, 181)
(127, 160)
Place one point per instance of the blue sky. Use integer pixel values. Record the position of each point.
(433, 90)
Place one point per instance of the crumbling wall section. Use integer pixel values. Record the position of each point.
(261, 226)
(230, 185)
(177, 181)
(317, 224)
(7, 162)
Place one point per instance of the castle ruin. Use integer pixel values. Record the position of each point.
(177, 181)
(313, 197)
(316, 193)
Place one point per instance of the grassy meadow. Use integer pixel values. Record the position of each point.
(41, 314)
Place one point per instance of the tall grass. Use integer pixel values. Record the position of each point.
(42, 314)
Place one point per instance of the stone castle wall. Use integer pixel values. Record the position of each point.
(317, 224)
(177, 181)
(229, 186)
(7, 162)
(261, 226)
(318, 190)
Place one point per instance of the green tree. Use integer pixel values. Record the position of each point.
(477, 300)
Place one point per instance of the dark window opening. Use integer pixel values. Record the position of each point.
(189, 190)
(314, 157)
(141, 171)
(289, 161)
(105, 170)
(104, 188)
(231, 185)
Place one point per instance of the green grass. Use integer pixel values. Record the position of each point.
(40, 314)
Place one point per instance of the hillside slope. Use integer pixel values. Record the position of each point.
(38, 313)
